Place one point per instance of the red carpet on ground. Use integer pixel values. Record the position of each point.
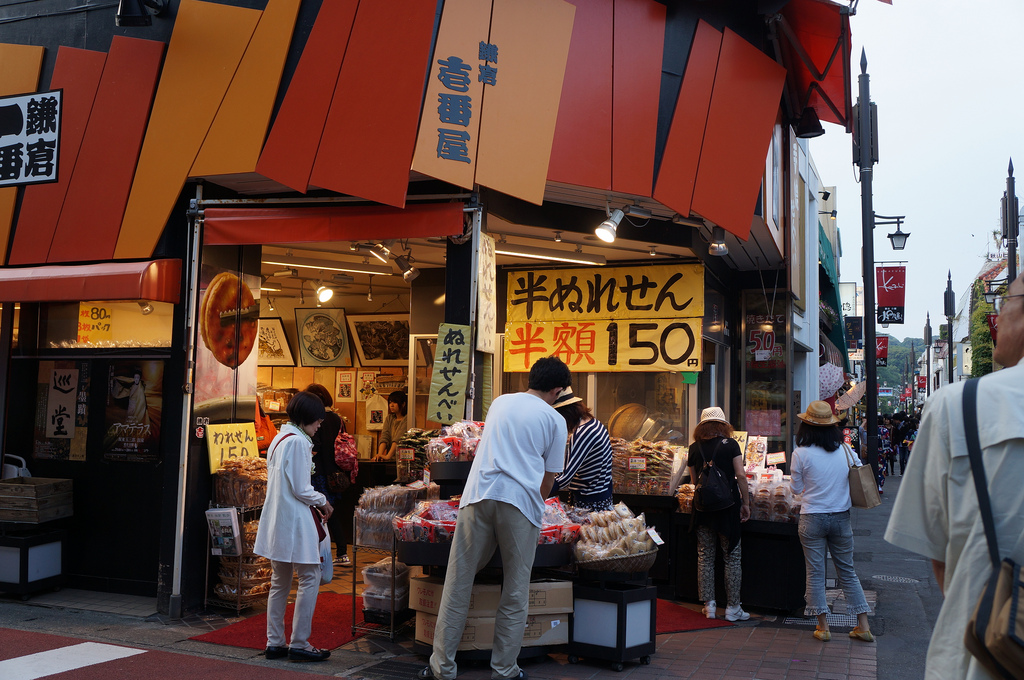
(332, 626)
(675, 618)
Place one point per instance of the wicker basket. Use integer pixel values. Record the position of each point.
(624, 563)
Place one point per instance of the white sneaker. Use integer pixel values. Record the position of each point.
(735, 614)
(710, 609)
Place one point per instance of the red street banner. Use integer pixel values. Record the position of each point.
(890, 289)
(922, 382)
(906, 393)
(882, 350)
(993, 326)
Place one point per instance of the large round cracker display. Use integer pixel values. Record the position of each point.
(227, 293)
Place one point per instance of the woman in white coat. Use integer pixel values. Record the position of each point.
(287, 534)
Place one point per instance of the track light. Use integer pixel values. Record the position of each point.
(287, 271)
(718, 247)
(270, 303)
(688, 221)
(606, 230)
(145, 307)
(408, 271)
(577, 257)
(558, 237)
(369, 291)
(637, 211)
(380, 252)
(654, 252)
(327, 265)
(323, 293)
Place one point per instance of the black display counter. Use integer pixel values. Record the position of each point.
(773, 565)
(450, 477)
(659, 512)
(436, 554)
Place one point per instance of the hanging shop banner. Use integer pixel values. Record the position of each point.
(922, 382)
(30, 132)
(854, 328)
(229, 441)
(62, 415)
(606, 345)
(486, 301)
(447, 399)
(891, 287)
(906, 393)
(652, 292)
(134, 411)
(60, 403)
(993, 326)
(882, 350)
(850, 299)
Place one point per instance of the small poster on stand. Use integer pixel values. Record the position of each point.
(224, 535)
(756, 454)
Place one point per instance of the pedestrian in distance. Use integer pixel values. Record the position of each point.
(588, 458)
(820, 472)
(713, 442)
(936, 511)
(521, 452)
(287, 534)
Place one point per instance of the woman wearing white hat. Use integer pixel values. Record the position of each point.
(713, 442)
(820, 470)
(588, 461)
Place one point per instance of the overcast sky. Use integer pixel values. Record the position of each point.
(948, 80)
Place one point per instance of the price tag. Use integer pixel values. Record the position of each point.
(637, 464)
(658, 540)
(426, 476)
(762, 354)
(406, 453)
(270, 405)
(776, 458)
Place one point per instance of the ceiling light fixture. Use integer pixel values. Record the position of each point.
(558, 237)
(637, 211)
(270, 289)
(717, 246)
(270, 303)
(323, 293)
(653, 251)
(138, 12)
(688, 221)
(381, 252)
(607, 229)
(408, 271)
(578, 257)
(328, 265)
(145, 307)
(369, 291)
(287, 271)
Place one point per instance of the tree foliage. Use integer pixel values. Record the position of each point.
(981, 339)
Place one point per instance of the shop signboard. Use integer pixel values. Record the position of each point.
(30, 133)
(607, 320)
(882, 350)
(922, 382)
(885, 392)
(95, 321)
(62, 414)
(230, 441)
(891, 289)
(854, 329)
(850, 299)
(446, 403)
(60, 404)
(486, 300)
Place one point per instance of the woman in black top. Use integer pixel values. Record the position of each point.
(324, 466)
(713, 440)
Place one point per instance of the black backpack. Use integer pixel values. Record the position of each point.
(712, 492)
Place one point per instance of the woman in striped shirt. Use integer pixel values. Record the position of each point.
(588, 463)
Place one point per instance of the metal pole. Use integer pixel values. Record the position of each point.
(864, 161)
(913, 377)
(949, 302)
(928, 354)
(1012, 223)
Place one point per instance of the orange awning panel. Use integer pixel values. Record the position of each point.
(155, 280)
(815, 42)
(245, 226)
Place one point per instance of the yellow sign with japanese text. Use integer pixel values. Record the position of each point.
(233, 440)
(446, 403)
(94, 323)
(649, 292)
(606, 345)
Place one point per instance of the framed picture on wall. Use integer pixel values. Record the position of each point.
(274, 349)
(380, 339)
(323, 338)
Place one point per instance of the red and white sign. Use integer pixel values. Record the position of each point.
(882, 350)
(993, 326)
(922, 382)
(890, 291)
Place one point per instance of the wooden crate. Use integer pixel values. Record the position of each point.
(33, 500)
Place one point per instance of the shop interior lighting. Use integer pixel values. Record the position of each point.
(369, 291)
(577, 257)
(718, 246)
(138, 12)
(654, 251)
(287, 271)
(558, 237)
(831, 213)
(688, 221)
(606, 230)
(323, 292)
(328, 265)
(145, 307)
(408, 271)
(381, 252)
(270, 303)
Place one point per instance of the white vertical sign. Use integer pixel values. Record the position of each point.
(486, 306)
(60, 404)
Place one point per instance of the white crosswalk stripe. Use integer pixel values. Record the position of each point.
(61, 660)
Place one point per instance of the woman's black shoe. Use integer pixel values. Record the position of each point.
(275, 652)
(308, 654)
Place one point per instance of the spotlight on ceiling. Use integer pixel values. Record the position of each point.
(287, 271)
(380, 251)
(270, 303)
(408, 271)
(717, 246)
(138, 12)
(323, 293)
(145, 307)
(606, 230)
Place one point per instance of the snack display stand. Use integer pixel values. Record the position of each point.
(377, 621)
(243, 580)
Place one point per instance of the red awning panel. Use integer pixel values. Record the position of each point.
(814, 37)
(246, 226)
(155, 280)
(828, 351)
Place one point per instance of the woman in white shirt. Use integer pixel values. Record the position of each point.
(287, 534)
(820, 470)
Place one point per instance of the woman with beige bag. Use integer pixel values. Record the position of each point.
(821, 473)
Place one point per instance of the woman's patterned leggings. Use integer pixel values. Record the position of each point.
(706, 566)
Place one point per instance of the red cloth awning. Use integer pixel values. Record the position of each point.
(828, 351)
(815, 43)
(245, 226)
(155, 280)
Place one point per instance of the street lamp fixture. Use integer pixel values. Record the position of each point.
(899, 238)
(831, 213)
(949, 304)
(992, 290)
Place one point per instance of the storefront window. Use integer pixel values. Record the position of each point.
(764, 372)
(98, 324)
(650, 406)
(14, 334)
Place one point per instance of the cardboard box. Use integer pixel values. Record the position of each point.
(35, 499)
(425, 596)
(541, 630)
(546, 597)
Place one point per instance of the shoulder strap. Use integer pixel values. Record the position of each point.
(978, 467)
(274, 447)
(711, 460)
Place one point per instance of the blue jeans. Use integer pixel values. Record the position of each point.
(820, 534)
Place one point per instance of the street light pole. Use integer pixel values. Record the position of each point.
(928, 354)
(865, 157)
(950, 309)
(1010, 225)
